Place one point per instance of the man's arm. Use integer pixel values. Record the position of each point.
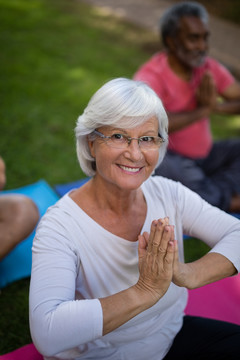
(207, 103)
(178, 121)
(231, 100)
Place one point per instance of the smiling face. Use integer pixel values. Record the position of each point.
(190, 45)
(125, 168)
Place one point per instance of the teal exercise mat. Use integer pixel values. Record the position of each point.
(62, 189)
(17, 264)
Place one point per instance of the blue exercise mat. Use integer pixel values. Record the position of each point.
(17, 264)
(62, 189)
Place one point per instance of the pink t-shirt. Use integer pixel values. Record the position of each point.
(177, 95)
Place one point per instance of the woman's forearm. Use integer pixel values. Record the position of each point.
(122, 307)
(211, 267)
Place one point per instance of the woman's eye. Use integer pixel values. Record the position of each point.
(117, 137)
(147, 138)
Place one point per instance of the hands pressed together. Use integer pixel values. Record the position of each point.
(206, 92)
(159, 262)
(159, 265)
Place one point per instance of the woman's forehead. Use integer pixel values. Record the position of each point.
(133, 122)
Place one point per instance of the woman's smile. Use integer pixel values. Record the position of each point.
(131, 169)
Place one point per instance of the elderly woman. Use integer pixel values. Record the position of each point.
(108, 276)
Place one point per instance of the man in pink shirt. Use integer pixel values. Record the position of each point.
(189, 84)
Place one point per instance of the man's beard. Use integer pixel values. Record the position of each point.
(192, 59)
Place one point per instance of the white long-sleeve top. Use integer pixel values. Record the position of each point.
(76, 261)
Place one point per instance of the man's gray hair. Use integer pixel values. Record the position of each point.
(169, 22)
(122, 103)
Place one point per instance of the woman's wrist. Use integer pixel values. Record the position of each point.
(146, 296)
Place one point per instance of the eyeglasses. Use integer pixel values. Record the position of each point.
(121, 141)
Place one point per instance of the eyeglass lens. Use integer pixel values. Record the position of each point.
(145, 142)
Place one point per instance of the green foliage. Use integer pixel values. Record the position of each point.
(14, 326)
(56, 54)
(194, 249)
(225, 126)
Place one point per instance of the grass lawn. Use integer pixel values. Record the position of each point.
(54, 55)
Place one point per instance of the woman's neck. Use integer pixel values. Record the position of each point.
(120, 212)
(109, 196)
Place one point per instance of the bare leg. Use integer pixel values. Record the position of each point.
(2, 173)
(18, 218)
(235, 204)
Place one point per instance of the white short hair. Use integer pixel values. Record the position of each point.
(123, 103)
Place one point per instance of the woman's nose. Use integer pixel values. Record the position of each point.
(134, 150)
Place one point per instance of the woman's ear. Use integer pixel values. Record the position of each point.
(91, 147)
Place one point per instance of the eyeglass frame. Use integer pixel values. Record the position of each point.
(128, 138)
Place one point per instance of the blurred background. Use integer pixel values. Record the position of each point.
(54, 55)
